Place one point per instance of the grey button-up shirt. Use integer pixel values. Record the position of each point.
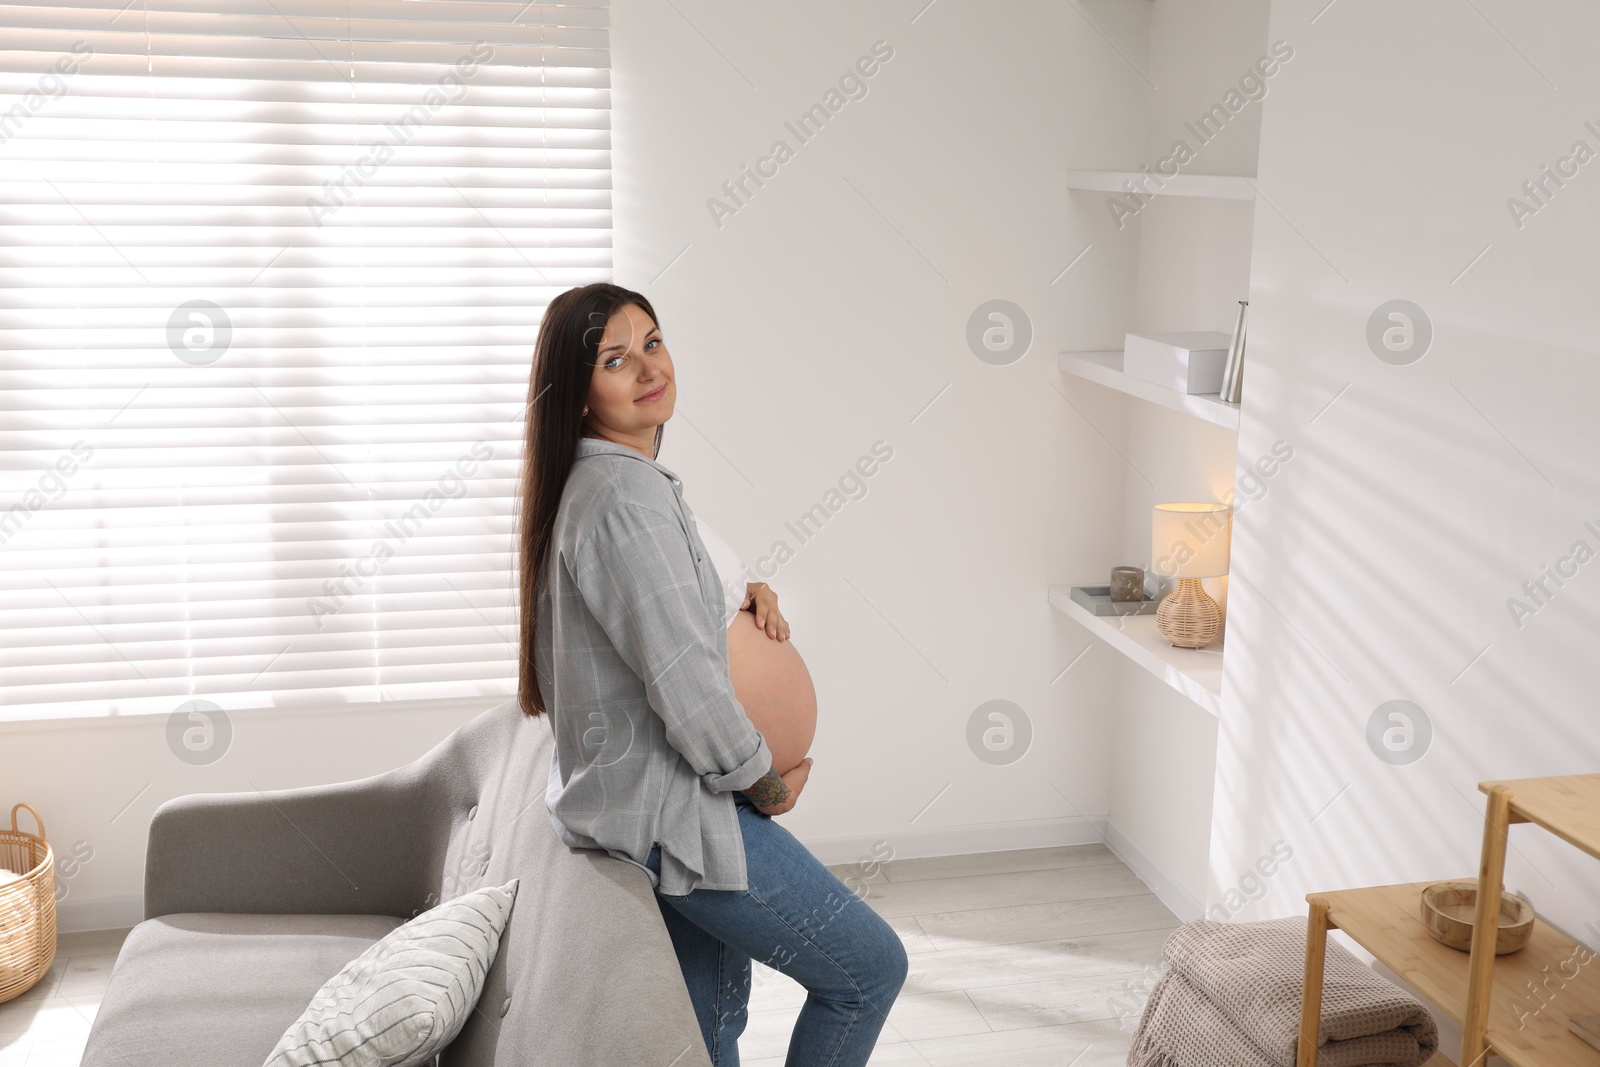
(650, 742)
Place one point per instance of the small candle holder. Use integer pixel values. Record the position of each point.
(1127, 584)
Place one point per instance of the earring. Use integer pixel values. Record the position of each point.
(586, 409)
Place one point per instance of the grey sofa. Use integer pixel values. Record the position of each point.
(253, 900)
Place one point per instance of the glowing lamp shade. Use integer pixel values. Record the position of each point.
(1189, 541)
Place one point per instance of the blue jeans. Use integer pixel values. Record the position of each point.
(798, 918)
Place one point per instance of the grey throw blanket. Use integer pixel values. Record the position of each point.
(1231, 998)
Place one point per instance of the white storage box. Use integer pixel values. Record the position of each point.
(1186, 362)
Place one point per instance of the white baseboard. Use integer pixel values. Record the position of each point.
(923, 842)
(1152, 874)
(77, 916)
(1002, 837)
(110, 913)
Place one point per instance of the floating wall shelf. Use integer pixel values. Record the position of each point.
(1105, 368)
(1196, 673)
(1216, 186)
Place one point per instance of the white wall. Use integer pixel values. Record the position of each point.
(1163, 767)
(826, 315)
(1381, 565)
(1193, 266)
(96, 783)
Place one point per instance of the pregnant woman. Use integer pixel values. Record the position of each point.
(656, 761)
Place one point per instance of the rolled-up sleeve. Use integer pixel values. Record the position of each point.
(637, 575)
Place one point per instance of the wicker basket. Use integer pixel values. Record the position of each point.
(27, 907)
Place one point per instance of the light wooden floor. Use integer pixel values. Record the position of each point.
(47, 1025)
(1039, 956)
(1034, 957)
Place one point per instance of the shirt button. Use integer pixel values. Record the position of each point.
(505, 1007)
(473, 813)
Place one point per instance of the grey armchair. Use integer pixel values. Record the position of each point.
(253, 900)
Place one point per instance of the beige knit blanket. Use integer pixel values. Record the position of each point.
(1230, 997)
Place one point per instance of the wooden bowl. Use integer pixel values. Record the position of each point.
(1448, 910)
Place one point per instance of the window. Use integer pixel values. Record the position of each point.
(270, 278)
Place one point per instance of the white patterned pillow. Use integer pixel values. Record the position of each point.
(405, 998)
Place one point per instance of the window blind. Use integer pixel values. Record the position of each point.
(270, 277)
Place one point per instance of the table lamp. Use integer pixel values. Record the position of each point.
(1189, 542)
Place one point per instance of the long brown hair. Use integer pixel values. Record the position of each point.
(558, 387)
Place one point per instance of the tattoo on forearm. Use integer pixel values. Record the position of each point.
(768, 791)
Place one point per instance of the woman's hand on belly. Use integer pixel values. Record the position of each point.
(768, 617)
(771, 681)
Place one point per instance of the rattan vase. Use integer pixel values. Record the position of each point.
(1189, 618)
(27, 907)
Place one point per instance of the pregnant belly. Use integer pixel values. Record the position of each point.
(771, 681)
